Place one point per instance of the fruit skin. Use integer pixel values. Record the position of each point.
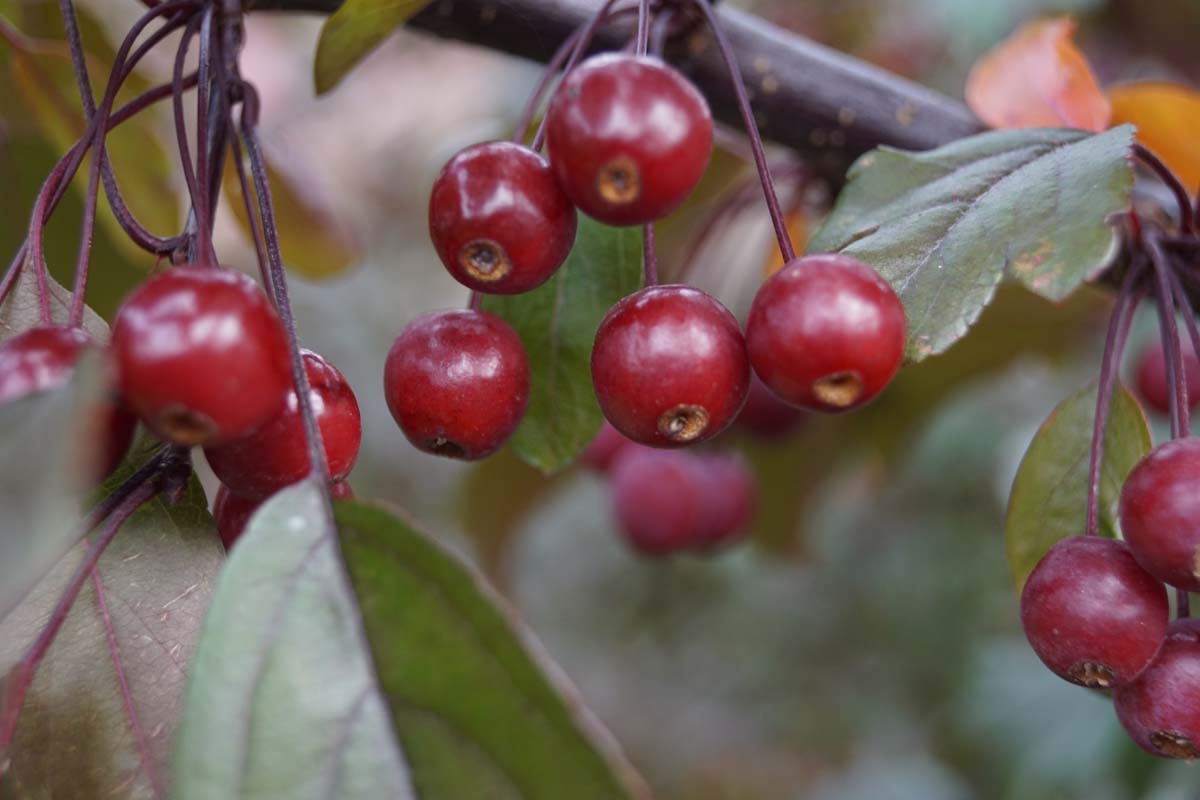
(276, 454)
(1160, 512)
(44, 358)
(1161, 709)
(668, 501)
(669, 366)
(190, 341)
(628, 137)
(1151, 376)
(603, 450)
(457, 383)
(765, 415)
(826, 333)
(499, 220)
(232, 511)
(1092, 615)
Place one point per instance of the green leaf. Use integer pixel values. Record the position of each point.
(1049, 495)
(312, 243)
(79, 735)
(354, 30)
(557, 323)
(943, 226)
(22, 310)
(474, 703)
(283, 699)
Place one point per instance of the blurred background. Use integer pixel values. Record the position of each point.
(864, 641)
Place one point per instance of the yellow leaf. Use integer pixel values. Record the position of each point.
(354, 30)
(313, 245)
(1167, 116)
(1038, 78)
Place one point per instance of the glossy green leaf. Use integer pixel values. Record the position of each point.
(557, 323)
(353, 31)
(479, 712)
(134, 625)
(1049, 495)
(944, 226)
(312, 242)
(283, 700)
(44, 81)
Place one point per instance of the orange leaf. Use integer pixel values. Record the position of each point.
(1167, 116)
(798, 226)
(1038, 78)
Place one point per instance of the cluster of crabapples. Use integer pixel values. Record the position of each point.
(1096, 609)
(201, 359)
(627, 139)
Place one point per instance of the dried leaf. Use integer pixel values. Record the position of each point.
(1167, 116)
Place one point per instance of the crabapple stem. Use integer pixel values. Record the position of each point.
(649, 256)
(252, 216)
(786, 248)
(475, 301)
(1169, 331)
(1114, 345)
(642, 38)
(1164, 173)
(552, 68)
(1183, 604)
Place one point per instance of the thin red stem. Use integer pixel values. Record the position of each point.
(786, 249)
(1164, 173)
(252, 217)
(181, 136)
(1169, 332)
(649, 256)
(201, 204)
(642, 37)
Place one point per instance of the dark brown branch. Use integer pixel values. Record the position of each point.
(827, 105)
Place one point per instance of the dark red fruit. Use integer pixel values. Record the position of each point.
(669, 366)
(1161, 709)
(765, 415)
(1092, 615)
(826, 333)
(201, 354)
(1160, 513)
(604, 449)
(231, 512)
(276, 454)
(628, 137)
(44, 358)
(668, 501)
(499, 220)
(457, 383)
(1151, 373)
(341, 491)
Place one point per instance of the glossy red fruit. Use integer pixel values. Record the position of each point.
(276, 454)
(232, 512)
(1151, 375)
(457, 383)
(628, 137)
(44, 358)
(1161, 709)
(604, 449)
(765, 415)
(201, 354)
(1160, 512)
(1093, 616)
(669, 366)
(826, 333)
(499, 220)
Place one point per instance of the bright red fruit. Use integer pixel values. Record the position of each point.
(669, 366)
(231, 512)
(826, 333)
(457, 383)
(628, 137)
(604, 449)
(1161, 709)
(44, 358)
(202, 357)
(499, 220)
(1160, 513)
(765, 415)
(667, 501)
(276, 454)
(1151, 375)
(1093, 616)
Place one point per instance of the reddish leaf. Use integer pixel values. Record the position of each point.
(1038, 78)
(1167, 116)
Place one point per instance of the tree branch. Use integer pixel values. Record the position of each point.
(828, 106)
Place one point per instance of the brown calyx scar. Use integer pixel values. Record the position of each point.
(484, 260)
(840, 389)
(184, 426)
(618, 181)
(683, 423)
